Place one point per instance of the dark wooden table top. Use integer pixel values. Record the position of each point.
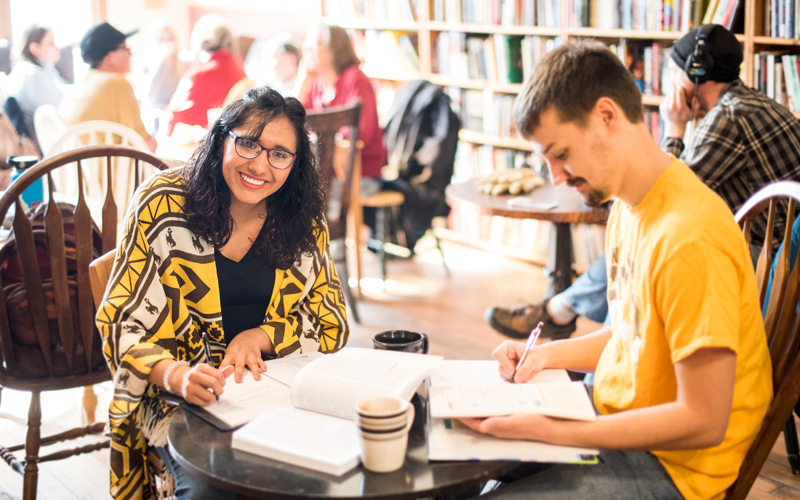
(570, 207)
(206, 452)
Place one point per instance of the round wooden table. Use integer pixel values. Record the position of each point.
(206, 453)
(569, 208)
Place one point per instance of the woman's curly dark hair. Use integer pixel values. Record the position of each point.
(294, 212)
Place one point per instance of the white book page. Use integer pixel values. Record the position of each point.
(242, 402)
(334, 383)
(475, 389)
(486, 372)
(284, 369)
(484, 400)
(308, 439)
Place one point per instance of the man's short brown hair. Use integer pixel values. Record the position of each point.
(571, 78)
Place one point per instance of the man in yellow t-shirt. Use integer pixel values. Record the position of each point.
(682, 375)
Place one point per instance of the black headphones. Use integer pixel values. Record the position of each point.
(700, 64)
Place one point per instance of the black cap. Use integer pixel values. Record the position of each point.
(721, 44)
(99, 41)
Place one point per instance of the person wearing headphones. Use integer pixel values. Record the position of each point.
(744, 141)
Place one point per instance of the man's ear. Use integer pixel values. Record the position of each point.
(608, 111)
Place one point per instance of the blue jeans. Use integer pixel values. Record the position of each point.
(186, 487)
(635, 475)
(587, 296)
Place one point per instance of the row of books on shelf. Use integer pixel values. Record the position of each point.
(384, 10)
(656, 15)
(777, 76)
(724, 12)
(499, 12)
(486, 111)
(647, 62)
(495, 58)
(782, 18)
(510, 59)
(654, 123)
(386, 52)
(479, 160)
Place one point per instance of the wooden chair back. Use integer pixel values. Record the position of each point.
(58, 286)
(326, 124)
(99, 274)
(781, 321)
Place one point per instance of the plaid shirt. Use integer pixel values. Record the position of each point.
(745, 142)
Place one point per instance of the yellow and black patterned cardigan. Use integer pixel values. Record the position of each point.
(163, 294)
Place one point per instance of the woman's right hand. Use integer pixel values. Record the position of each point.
(508, 355)
(200, 384)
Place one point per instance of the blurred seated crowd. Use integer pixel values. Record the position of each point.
(168, 95)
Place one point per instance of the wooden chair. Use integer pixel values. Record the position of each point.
(326, 125)
(781, 321)
(67, 294)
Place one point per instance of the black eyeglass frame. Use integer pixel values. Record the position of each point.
(236, 140)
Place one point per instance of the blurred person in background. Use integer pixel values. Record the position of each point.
(331, 77)
(105, 93)
(275, 65)
(161, 72)
(34, 80)
(205, 85)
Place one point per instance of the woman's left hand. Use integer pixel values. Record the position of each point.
(245, 350)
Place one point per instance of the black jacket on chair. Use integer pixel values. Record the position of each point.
(421, 138)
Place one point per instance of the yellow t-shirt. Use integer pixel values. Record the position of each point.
(680, 278)
(103, 95)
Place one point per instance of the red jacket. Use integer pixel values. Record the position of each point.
(204, 87)
(353, 84)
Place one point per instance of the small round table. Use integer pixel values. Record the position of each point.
(206, 453)
(569, 208)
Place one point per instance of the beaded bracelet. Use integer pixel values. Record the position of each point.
(168, 371)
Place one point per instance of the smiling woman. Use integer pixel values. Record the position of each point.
(232, 247)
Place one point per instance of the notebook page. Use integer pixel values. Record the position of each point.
(485, 372)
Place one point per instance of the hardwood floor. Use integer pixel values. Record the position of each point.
(419, 296)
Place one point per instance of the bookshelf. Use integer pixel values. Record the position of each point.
(463, 45)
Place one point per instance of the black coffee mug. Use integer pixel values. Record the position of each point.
(401, 340)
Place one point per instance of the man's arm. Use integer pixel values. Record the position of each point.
(580, 354)
(698, 418)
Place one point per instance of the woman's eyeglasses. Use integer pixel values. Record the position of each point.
(250, 149)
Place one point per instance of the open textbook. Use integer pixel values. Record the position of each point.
(242, 402)
(475, 389)
(318, 431)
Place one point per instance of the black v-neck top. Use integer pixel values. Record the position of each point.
(245, 289)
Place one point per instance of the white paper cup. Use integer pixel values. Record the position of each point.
(383, 426)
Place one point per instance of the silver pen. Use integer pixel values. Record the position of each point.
(532, 338)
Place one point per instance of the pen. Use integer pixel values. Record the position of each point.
(532, 338)
(207, 350)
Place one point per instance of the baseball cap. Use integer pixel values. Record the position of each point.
(100, 40)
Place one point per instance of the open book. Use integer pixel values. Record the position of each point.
(475, 389)
(318, 432)
(244, 401)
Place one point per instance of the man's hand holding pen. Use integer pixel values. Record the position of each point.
(520, 362)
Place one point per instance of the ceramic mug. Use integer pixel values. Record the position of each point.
(401, 340)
